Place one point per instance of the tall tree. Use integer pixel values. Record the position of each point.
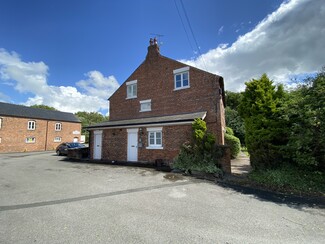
(261, 109)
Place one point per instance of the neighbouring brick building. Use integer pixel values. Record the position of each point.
(152, 111)
(33, 129)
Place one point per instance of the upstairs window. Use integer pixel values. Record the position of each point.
(145, 105)
(131, 89)
(181, 78)
(58, 126)
(31, 125)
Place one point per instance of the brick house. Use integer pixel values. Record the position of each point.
(152, 111)
(33, 129)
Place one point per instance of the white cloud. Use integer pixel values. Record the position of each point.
(98, 85)
(31, 77)
(289, 41)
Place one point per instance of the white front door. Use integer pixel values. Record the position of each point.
(98, 144)
(132, 144)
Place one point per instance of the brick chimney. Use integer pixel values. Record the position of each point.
(153, 49)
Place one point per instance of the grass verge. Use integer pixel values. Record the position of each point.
(291, 179)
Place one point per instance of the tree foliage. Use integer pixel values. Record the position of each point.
(43, 107)
(235, 121)
(306, 115)
(261, 109)
(233, 142)
(90, 118)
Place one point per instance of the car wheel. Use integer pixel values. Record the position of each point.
(58, 152)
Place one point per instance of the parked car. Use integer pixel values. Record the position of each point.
(62, 149)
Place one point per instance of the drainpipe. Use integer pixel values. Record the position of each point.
(47, 128)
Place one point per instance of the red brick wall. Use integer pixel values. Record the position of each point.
(114, 143)
(14, 132)
(155, 81)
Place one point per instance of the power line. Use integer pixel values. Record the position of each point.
(191, 29)
(180, 16)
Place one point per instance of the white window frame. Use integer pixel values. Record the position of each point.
(33, 139)
(181, 72)
(143, 109)
(154, 131)
(31, 125)
(58, 126)
(1, 120)
(57, 139)
(133, 84)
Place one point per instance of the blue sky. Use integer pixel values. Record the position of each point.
(73, 55)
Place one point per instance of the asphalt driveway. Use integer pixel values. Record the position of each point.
(45, 199)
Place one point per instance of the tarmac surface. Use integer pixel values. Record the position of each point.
(46, 199)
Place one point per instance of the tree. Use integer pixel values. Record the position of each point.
(90, 118)
(235, 121)
(233, 99)
(261, 109)
(43, 107)
(306, 114)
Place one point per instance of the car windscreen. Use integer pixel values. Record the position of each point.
(74, 145)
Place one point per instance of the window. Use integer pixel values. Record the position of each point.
(131, 89)
(145, 105)
(31, 125)
(57, 139)
(154, 138)
(0, 123)
(30, 140)
(58, 126)
(181, 78)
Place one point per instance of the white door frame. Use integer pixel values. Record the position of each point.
(97, 147)
(132, 145)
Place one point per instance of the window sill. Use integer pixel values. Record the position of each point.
(130, 98)
(152, 147)
(144, 111)
(181, 88)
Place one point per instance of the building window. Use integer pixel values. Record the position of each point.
(57, 139)
(58, 126)
(145, 105)
(31, 125)
(30, 140)
(131, 89)
(1, 123)
(181, 78)
(155, 138)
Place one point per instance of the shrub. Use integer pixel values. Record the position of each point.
(229, 131)
(201, 154)
(234, 144)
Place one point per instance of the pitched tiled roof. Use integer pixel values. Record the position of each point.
(7, 109)
(170, 119)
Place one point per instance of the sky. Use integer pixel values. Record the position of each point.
(73, 55)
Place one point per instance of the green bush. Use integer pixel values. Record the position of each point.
(229, 131)
(189, 161)
(201, 154)
(234, 144)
